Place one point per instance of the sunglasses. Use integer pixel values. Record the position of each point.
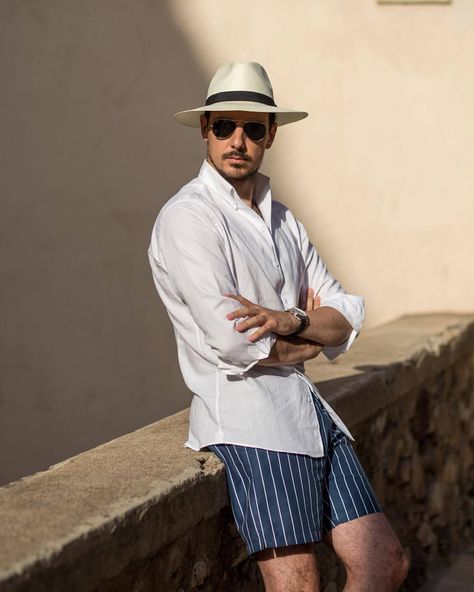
(224, 128)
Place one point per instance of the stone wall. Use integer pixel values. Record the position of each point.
(419, 456)
(142, 513)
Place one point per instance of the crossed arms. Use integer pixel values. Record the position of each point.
(197, 285)
(326, 326)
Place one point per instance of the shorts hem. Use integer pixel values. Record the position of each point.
(377, 511)
(305, 541)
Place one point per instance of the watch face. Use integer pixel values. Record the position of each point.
(300, 312)
(302, 318)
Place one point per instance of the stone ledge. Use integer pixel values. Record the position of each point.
(81, 522)
(391, 360)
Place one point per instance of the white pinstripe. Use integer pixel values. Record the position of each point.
(361, 474)
(353, 478)
(243, 522)
(347, 486)
(321, 475)
(255, 494)
(266, 498)
(277, 501)
(304, 496)
(338, 490)
(334, 507)
(308, 472)
(296, 494)
(287, 498)
(249, 501)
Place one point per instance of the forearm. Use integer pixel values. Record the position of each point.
(327, 326)
(291, 350)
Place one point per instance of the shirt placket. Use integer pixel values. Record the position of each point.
(261, 227)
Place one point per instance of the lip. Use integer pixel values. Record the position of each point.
(236, 158)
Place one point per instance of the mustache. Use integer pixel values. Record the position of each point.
(235, 154)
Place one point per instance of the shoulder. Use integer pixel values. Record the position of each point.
(280, 210)
(191, 204)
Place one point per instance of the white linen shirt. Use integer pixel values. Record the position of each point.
(206, 241)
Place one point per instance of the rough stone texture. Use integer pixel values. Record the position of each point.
(458, 578)
(429, 496)
(142, 513)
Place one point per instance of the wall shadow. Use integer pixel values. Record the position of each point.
(89, 153)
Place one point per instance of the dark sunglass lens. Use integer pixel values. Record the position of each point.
(223, 128)
(255, 131)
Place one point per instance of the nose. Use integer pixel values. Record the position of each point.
(238, 138)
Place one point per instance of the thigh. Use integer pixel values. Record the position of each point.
(289, 569)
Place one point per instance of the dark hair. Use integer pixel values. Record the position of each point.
(271, 117)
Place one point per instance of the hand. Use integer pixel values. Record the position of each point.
(291, 350)
(277, 321)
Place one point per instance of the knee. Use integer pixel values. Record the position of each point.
(400, 565)
(385, 572)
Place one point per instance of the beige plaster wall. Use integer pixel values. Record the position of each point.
(381, 174)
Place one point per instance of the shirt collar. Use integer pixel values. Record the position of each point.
(262, 196)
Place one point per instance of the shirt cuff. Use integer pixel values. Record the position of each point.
(262, 351)
(332, 351)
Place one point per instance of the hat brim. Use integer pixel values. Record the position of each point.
(191, 117)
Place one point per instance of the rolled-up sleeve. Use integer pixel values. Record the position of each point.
(190, 251)
(331, 294)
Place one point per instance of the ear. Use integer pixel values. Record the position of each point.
(271, 135)
(204, 126)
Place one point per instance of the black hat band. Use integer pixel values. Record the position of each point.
(240, 95)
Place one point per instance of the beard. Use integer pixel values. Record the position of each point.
(235, 171)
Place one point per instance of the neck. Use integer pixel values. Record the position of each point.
(245, 188)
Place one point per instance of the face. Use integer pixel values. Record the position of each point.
(236, 157)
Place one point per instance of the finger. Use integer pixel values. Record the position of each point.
(310, 299)
(256, 321)
(238, 297)
(238, 313)
(259, 333)
(317, 301)
(247, 311)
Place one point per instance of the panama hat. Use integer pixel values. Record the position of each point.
(240, 87)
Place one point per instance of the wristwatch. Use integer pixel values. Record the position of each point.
(302, 318)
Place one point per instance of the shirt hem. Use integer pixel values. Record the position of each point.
(269, 448)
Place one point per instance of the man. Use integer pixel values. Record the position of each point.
(235, 270)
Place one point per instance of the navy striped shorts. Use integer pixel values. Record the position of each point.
(280, 498)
